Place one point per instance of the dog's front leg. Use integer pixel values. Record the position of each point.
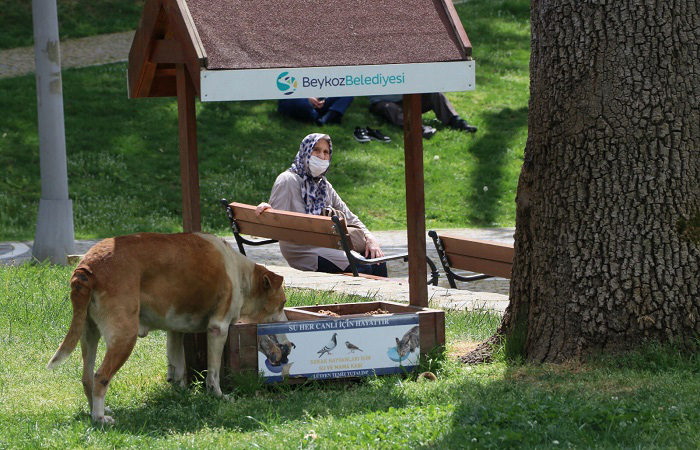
(176, 358)
(217, 332)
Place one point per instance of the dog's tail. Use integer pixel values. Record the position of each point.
(81, 283)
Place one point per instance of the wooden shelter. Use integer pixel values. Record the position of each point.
(225, 50)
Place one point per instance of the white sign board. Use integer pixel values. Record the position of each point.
(339, 348)
(337, 81)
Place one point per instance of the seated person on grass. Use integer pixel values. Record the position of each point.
(390, 107)
(304, 188)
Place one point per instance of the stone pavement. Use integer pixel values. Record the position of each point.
(484, 294)
(88, 51)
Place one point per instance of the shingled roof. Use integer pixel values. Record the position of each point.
(244, 34)
(264, 34)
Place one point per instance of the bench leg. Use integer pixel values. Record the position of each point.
(443, 258)
(434, 274)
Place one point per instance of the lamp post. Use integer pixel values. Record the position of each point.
(54, 238)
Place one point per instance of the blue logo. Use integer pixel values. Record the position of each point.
(286, 83)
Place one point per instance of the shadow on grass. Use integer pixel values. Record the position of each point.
(607, 404)
(637, 399)
(187, 411)
(492, 153)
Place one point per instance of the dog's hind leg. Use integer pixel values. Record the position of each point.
(88, 346)
(119, 346)
(217, 332)
(176, 358)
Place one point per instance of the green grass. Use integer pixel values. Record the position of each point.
(647, 399)
(123, 162)
(76, 18)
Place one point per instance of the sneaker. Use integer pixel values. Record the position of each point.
(361, 135)
(457, 123)
(377, 135)
(428, 132)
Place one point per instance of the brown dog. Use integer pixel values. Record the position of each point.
(184, 283)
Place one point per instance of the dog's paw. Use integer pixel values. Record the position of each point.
(104, 420)
(181, 383)
(216, 393)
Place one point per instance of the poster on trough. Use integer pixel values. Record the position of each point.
(338, 348)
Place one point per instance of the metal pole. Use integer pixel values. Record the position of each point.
(54, 238)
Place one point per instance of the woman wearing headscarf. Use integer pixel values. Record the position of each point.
(304, 188)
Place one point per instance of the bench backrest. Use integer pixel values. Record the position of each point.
(491, 258)
(288, 226)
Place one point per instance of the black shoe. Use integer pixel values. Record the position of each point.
(329, 118)
(457, 123)
(361, 135)
(377, 135)
(428, 132)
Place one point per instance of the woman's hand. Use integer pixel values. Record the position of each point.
(372, 249)
(261, 208)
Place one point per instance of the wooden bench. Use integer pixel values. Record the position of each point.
(298, 228)
(487, 259)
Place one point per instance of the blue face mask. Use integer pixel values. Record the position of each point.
(318, 166)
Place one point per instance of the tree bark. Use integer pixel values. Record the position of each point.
(605, 255)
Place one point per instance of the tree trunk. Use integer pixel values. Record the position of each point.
(606, 242)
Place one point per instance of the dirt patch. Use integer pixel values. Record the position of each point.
(459, 348)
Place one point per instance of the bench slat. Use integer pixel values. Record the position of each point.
(283, 219)
(495, 251)
(480, 265)
(288, 235)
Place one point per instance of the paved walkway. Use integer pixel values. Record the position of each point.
(489, 294)
(88, 51)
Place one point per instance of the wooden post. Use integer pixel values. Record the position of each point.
(415, 200)
(189, 169)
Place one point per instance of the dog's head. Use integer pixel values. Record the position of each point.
(267, 299)
(270, 349)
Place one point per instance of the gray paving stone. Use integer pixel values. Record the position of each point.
(88, 51)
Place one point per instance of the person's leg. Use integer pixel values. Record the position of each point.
(390, 111)
(297, 108)
(378, 270)
(437, 102)
(327, 267)
(333, 110)
(445, 112)
(338, 104)
(393, 112)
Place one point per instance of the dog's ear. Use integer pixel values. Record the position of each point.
(272, 280)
